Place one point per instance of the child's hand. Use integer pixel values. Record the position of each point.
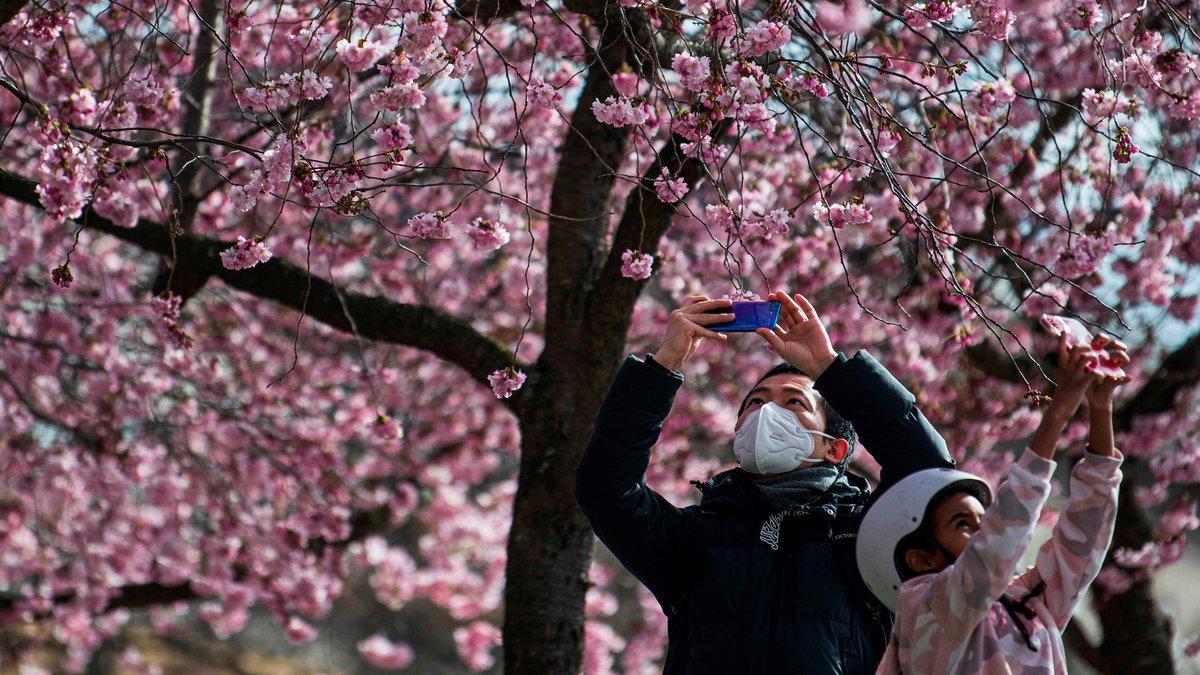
(1100, 394)
(1076, 375)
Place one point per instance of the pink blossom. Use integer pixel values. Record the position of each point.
(168, 308)
(1082, 14)
(841, 214)
(626, 84)
(397, 97)
(506, 382)
(1138, 68)
(1113, 580)
(393, 137)
(542, 93)
(400, 69)
(131, 662)
(430, 226)
(487, 235)
(475, 642)
(993, 96)
(1186, 107)
(742, 294)
(1084, 254)
(921, 15)
(1147, 40)
(1175, 61)
(837, 18)
(1151, 555)
(636, 265)
(68, 173)
(601, 643)
(721, 26)
(693, 70)
(383, 653)
(1184, 307)
(763, 37)
(142, 89)
(360, 54)
(298, 630)
(117, 206)
(774, 222)
(813, 86)
(424, 29)
(670, 190)
(246, 253)
(288, 90)
(80, 107)
(1098, 105)
(1179, 519)
(993, 18)
(621, 112)
(1192, 650)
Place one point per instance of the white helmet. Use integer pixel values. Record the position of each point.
(896, 514)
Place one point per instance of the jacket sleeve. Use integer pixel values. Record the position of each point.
(1070, 560)
(643, 530)
(961, 595)
(885, 415)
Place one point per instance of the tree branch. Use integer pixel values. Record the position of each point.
(1137, 635)
(1078, 642)
(643, 223)
(1179, 370)
(580, 198)
(375, 317)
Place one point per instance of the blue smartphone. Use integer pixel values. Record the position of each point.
(748, 316)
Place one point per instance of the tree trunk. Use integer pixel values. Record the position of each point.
(550, 543)
(1137, 636)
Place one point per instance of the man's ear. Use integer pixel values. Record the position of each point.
(839, 448)
(918, 560)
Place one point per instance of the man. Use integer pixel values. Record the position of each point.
(760, 577)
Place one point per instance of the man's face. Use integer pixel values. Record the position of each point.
(794, 393)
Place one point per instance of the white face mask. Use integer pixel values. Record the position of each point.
(772, 440)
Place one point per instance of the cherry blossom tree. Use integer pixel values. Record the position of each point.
(279, 278)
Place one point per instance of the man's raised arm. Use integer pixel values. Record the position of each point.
(644, 531)
(883, 412)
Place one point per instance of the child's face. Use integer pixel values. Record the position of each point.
(955, 519)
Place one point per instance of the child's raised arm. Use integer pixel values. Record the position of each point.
(1071, 559)
(961, 595)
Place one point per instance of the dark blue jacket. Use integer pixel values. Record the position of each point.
(733, 605)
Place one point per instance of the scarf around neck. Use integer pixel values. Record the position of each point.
(801, 492)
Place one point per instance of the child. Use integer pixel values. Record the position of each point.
(929, 551)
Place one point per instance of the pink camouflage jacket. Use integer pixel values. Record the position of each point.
(970, 618)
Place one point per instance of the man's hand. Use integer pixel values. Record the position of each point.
(686, 329)
(800, 337)
(1100, 394)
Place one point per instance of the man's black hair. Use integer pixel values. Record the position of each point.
(835, 425)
